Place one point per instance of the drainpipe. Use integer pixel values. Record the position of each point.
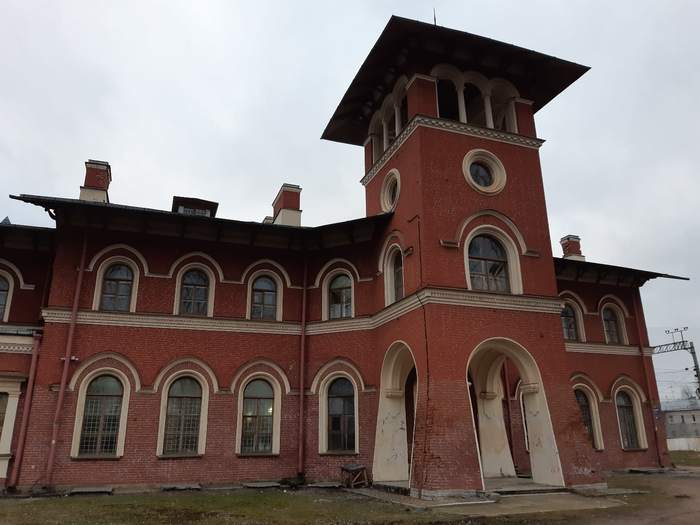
(642, 336)
(302, 369)
(27, 407)
(66, 363)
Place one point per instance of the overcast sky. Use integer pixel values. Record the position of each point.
(227, 100)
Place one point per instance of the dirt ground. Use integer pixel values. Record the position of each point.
(672, 499)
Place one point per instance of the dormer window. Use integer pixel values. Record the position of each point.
(193, 211)
(194, 207)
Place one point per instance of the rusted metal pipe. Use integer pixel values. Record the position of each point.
(66, 364)
(26, 409)
(302, 370)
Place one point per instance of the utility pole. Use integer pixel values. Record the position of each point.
(681, 344)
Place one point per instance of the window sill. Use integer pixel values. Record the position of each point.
(180, 456)
(95, 458)
(256, 455)
(635, 449)
(339, 453)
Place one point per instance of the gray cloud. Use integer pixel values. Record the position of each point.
(226, 100)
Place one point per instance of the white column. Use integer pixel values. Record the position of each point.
(397, 120)
(385, 131)
(488, 111)
(462, 105)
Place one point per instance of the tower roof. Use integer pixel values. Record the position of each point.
(407, 47)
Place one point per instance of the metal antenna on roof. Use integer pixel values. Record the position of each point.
(434, 17)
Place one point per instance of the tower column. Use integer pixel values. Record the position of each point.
(488, 111)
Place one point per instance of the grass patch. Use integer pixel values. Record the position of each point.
(685, 457)
(208, 508)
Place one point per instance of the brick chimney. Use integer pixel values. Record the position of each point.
(286, 206)
(98, 175)
(571, 245)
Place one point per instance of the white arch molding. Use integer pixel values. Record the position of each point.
(191, 360)
(320, 374)
(270, 262)
(621, 322)
(339, 261)
(10, 293)
(484, 365)
(498, 215)
(389, 283)
(261, 362)
(578, 314)
(84, 365)
(125, 247)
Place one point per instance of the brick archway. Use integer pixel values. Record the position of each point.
(484, 369)
(392, 453)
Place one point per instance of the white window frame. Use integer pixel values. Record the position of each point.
(203, 411)
(99, 279)
(389, 297)
(578, 315)
(385, 198)
(325, 290)
(638, 416)
(276, 411)
(597, 430)
(513, 257)
(621, 324)
(280, 293)
(10, 292)
(495, 166)
(80, 409)
(323, 413)
(178, 286)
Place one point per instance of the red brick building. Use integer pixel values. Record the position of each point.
(437, 340)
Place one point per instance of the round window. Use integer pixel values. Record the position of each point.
(484, 171)
(481, 174)
(390, 190)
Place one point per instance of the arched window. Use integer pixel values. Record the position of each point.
(101, 415)
(264, 299)
(488, 265)
(448, 106)
(117, 287)
(584, 406)
(611, 326)
(194, 293)
(474, 105)
(4, 292)
(568, 323)
(626, 420)
(258, 406)
(397, 274)
(181, 436)
(341, 416)
(340, 297)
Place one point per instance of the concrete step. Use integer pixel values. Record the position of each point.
(521, 490)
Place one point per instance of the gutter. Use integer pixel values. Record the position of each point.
(67, 358)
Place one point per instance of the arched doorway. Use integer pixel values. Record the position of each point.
(393, 446)
(484, 372)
